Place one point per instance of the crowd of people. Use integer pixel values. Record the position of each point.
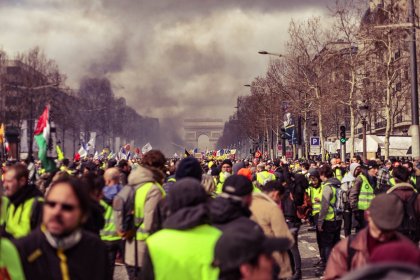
(208, 219)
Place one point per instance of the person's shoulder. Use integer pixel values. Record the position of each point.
(91, 239)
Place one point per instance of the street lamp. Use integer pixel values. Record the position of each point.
(269, 53)
(364, 111)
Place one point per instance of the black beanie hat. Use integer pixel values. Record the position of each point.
(227, 161)
(189, 167)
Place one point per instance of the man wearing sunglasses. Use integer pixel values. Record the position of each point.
(60, 249)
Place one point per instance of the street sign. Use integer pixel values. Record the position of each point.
(315, 141)
(315, 150)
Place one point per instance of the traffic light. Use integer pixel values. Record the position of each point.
(343, 138)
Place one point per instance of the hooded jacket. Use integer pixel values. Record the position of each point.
(224, 212)
(136, 180)
(349, 178)
(186, 204)
(270, 218)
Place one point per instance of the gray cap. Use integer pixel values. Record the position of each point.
(387, 211)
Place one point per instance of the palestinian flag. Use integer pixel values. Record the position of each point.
(42, 136)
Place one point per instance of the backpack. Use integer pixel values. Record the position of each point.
(410, 225)
(341, 197)
(126, 198)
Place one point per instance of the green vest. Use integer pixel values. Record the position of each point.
(255, 189)
(139, 203)
(10, 260)
(219, 185)
(316, 193)
(413, 180)
(4, 207)
(109, 232)
(366, 194)
(184, 254)
(264, 177)
(330, 214)
(18, 221)
(338, 174)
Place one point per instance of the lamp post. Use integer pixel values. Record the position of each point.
(363, 111)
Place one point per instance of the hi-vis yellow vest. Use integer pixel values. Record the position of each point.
(18, 220)
(139, 203)
(109, 232)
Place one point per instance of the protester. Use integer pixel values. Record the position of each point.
(328, 222)
(245, 252)
(268, 214)
(406, 192)
(146, 183)
(346, 185)
(232, 205)
(362, 193)
(384, 216)
(109, 235)
(25, 202)
(225, 172)
(184, 248)
(60, 249)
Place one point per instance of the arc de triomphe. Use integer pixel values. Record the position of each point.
(202, 133)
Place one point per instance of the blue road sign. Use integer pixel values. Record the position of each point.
(315, 141)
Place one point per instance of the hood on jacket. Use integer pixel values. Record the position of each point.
(25, 193)
(349, 177)
(186, 203)
(334, 181)
(139, 176)
(223, 210)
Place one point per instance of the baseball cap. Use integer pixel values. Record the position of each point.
(313, 172)
(372, 164)
(242, 242)
(386, 211)
(237, 185)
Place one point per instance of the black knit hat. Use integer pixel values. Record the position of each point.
(189, 167)
(227, 161)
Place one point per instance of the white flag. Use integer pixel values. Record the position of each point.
(146, 148)
(91, 144)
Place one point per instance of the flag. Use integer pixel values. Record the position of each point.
(146, 148)
(195, 150)
(2, 133)
(186, 153)
(60, 154)
(42, 136)
(90, 146)
(82, 151)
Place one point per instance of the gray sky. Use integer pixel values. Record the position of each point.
(168, 58)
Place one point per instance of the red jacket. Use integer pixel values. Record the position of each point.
(337, 262)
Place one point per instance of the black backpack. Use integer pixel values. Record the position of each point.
(410, 225)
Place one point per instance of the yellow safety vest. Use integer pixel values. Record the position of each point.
(366, 194)
(184, 254)
(139, 203)
(109, 232)
(18, 221)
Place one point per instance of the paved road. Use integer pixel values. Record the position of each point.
(308, 250)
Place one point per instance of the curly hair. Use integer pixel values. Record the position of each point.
(155, 161)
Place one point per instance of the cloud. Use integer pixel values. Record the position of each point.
(170, 59)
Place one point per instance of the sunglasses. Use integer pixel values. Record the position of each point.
(63, 206)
